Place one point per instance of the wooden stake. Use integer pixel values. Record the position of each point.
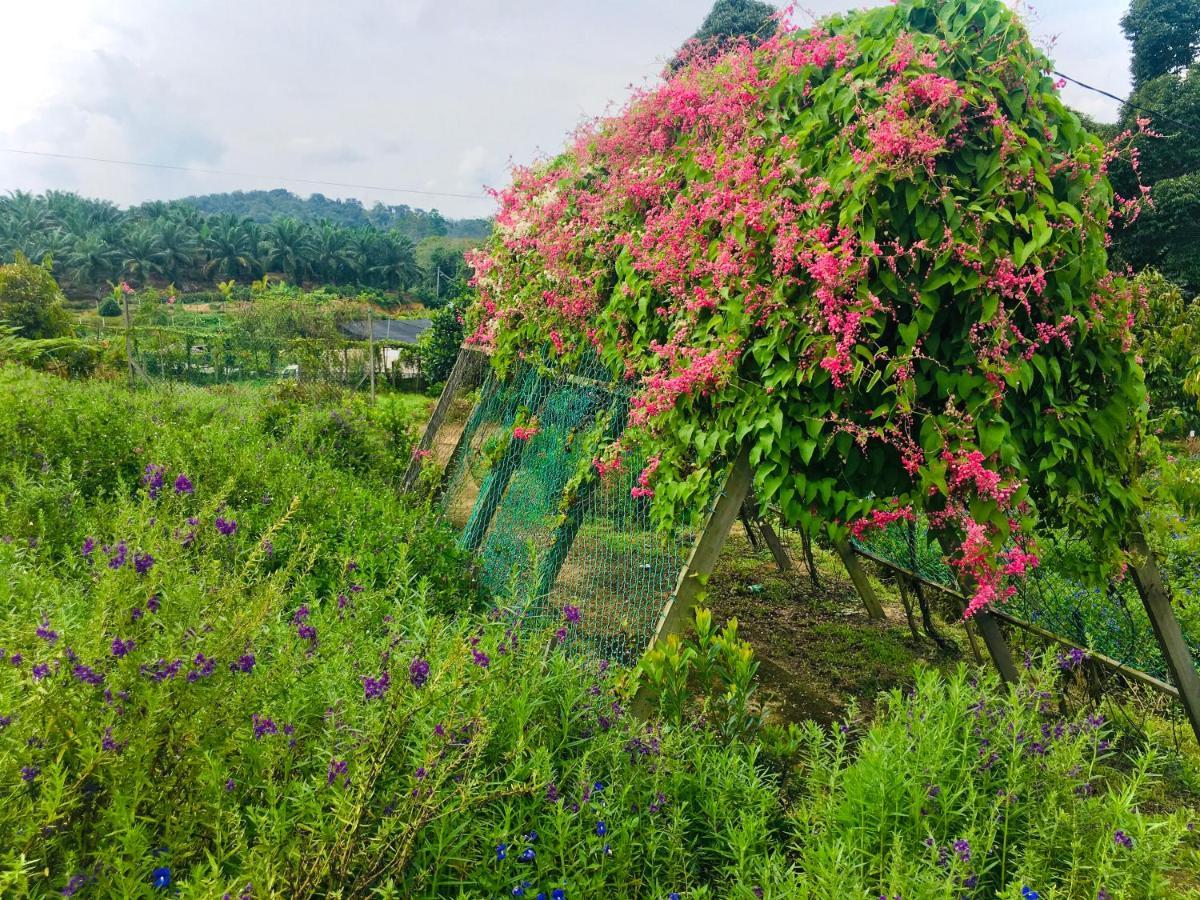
(782, 560)
(705, 551)
(1166, 628)
(468, 365)
(908, 610)
(859, 576)
(128, 344)
(701, 561)
(993, 637)
(371, 351)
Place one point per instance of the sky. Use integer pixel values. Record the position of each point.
(427, 95)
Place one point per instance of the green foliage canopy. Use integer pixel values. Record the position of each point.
(30, 301)
(873, 254)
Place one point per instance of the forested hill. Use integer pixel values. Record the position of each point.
(266, 206)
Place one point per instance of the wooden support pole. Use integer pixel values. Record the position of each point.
(467, 367)
(1166, 628)
(128, 337)
(705, 551)
(901, 582)
(371, 351)
(782, 560)
(700, 563)
(993, 638)
(859, 576)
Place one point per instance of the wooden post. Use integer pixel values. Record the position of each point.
(993, 637)
(371, 351)
(908, 609)
(782, 560)
(705, 551)
(699, 565)
(128, 344)
(467, 366)
(809, 560)
(859, 577)
(1166, 628)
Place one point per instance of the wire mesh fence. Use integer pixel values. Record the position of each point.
(550, 531)
(1108, 618)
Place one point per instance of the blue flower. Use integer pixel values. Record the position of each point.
(1028, 893)
(501, 852)
(160, 878)
(529, 855)
(601, 829)
(674, 895)
(558, 894)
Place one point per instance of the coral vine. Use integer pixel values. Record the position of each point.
(874, 252)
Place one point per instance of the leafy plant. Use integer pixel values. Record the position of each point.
(871, 255)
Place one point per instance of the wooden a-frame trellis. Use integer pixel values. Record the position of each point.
(735, 501)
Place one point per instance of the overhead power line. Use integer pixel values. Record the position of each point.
(200, 171)
(1125, 101)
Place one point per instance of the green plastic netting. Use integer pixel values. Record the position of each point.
(547, 529)
(1107, 619)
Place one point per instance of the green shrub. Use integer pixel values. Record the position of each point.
(110, 308)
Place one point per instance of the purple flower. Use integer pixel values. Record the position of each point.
(227, 527)
(307, 632)
(152, 603)
(30, 773)
(229, 785)
(300, 615)
(338, 767)
(267, 547)
(74, 883)
(5, 721)
(153, 480)
(40, 671)
(86, 552)
(571, 613)
(117, 555)
(244, 663)
(1121, 839)
(121, 648)
(142, 563)
(376, 687)
(15, 659)
(88, 675)
(263, 726)
(481, 659)
(183, 485)
(46, 634)
(418, 671)
(963, 849)
(203, 667)
(136, 613)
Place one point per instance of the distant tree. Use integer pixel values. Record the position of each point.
(1167, 335)
(289, 249)
(439, 345)
(232, 248)
(30, 301)
(727, 22)
(1164, 35)
(92, 260)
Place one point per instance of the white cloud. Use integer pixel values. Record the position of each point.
(410, 93)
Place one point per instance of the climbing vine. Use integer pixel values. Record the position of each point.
(874, 254)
